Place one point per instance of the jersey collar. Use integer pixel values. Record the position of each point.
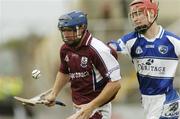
(86, 39)
(158, 36)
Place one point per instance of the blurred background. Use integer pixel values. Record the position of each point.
(29, 39)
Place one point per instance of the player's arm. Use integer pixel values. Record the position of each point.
(119, 46)
(107, 93)
(62, 78)
(109, 68)
(60, 82)
(176, 42)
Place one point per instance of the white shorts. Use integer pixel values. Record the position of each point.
(165, 106)
(103, 112)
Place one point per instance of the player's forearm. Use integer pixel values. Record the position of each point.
(61, 80)
(107, 93)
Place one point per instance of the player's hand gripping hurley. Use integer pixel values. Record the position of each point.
(39, 99)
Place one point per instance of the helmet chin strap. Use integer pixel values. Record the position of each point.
(143, 28)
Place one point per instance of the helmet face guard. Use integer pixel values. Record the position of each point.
(72, 27)
(141, 10)
(72, 35)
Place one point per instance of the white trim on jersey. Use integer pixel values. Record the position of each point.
(88, 39)
(109, 60)
(98, 75)
(162, 32)
(176, 44)
(130, 43)
(123, 47)
(94, 81)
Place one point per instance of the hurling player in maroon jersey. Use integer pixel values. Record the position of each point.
(88, 64)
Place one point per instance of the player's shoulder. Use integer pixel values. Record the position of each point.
(98, 45)
(129, 36)
(171, 35)
(63, 48)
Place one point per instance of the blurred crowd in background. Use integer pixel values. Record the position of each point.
(29, 39)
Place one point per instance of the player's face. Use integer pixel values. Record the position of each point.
(71, 35)
(138, 16)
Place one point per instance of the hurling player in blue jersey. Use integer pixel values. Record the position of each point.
(155, 53)
(89, 65)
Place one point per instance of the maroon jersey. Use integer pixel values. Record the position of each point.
(90, 67)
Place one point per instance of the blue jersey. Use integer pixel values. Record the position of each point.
(155, 60)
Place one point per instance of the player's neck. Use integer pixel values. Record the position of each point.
(152, 31)
(79, 45)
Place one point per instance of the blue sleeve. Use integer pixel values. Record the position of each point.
(115, 45)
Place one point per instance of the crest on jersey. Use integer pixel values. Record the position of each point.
(66, 58)
(163, 49)
(84, 61)
(139, 50)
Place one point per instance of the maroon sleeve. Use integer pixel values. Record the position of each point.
(63, 64)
